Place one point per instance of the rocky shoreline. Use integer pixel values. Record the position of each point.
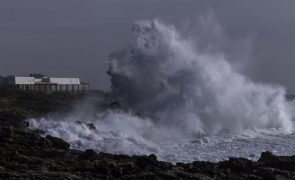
(25, 154)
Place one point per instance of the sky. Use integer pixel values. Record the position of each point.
(74, 38)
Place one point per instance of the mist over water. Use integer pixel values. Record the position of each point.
(186, 101)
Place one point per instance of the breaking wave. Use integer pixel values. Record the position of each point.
(189, 89)
(186, 101)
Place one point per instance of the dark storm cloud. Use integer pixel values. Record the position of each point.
(75, 37)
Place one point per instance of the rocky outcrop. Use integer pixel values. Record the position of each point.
(27, 155)
(58, 143)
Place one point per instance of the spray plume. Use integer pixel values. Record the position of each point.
(189, 89)
(186, 101)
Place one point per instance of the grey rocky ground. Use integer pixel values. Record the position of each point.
(25, 154)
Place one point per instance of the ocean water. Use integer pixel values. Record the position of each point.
(121, 133)
(186, 101)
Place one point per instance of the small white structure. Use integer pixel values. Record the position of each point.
(39, 82)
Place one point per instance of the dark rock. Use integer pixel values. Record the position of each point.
(43, 142)
(266, 157)
(91, 126)
(58, 143)
(145, 161)
(7, 131)
(90, 154)
(127, 167)
(30, 156)
(203, 167)
(166, 175)
(115, 105)
(165, 165)
(39, 131)
(266, 173)
(237, 164)
(103, 167)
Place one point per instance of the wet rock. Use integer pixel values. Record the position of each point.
(39, 131)
(30, 156)
(145, 161)
(43, 142)
(127, 167)
(166, 175)
(7, 132)
(91, 126)
(90, 154)
(237, 164)
(104, 167)
(165, 165)
(58, 143)
(266, 157)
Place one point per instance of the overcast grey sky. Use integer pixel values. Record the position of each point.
(74, 37)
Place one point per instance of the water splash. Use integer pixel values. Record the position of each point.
(192, 91)
(186, 100)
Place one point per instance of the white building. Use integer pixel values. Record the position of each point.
(38, 82)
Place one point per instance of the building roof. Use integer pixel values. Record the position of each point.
(24, 80)
(65, 80)
(32, 80)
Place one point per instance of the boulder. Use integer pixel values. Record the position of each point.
(90, 154)
(58, 143)
(146, 161)
(266, 157)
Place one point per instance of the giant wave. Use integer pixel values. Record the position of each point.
(186, 102)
